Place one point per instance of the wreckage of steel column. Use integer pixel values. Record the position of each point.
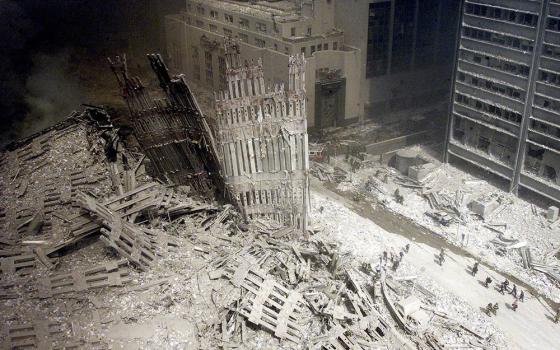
(171, 131)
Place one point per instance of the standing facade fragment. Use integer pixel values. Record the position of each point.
(171, 131)
(262, 141)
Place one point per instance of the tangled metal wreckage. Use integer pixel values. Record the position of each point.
(96, 253)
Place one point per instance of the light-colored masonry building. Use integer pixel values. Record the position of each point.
(365, 59)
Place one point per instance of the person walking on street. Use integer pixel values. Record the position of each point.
(521, 296)
(514, 305)
(487, 282)
(496, 307)
(407, 247)
(489, 309)
(501, 289)
(557, 317)
(506, 284)
(441, 256)
(475, 269)
(514, 291)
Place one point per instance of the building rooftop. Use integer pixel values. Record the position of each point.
(281, 10)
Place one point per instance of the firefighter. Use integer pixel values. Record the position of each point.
(474, 270)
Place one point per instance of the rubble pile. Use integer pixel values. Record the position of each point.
(96, 254)
(497, 227)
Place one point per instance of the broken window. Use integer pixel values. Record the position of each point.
(200, 10)
(483, 144)
(549, 173)
(244, 22)
(213, 14)
(228, 18)
(244, 37)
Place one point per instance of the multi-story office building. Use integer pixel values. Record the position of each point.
(364, 57)
(271, 31)
(506, 100)
(407, 52)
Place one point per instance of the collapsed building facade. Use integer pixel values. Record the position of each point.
(171, 131)
(506, 99)
(262, 140)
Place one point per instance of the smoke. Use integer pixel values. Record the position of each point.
(52, 92)
(18, 31)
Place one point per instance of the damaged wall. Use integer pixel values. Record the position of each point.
(262, 140)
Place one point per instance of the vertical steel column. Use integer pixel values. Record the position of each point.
(449, 127)
(533, 73)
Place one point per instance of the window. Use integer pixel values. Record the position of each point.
(325, 46)
(275, 46)
(213, 28)
(209, 70)
(200, 10)
(244, 22)
(228, 18)
(308, 31)
(244, 37)
(196, 66)
(188, 19)
(222, 70)
(303, 51)
(260, 42)
(293, 31)
(287, 50)
(312, 49)
(228, 32)
(213, 14)
(319, 46)
(261, 27)
(335, 45)
(199, 23)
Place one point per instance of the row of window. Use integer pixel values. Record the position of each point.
(549, 77)
(243, 22)
(551, 51)
(491, 86)
(501, 14)
(500, 39)
(496, 63)
(545, 128)
(546, 103)
(499, 112)
(319, 47)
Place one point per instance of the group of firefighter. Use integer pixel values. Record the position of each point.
(492, 309)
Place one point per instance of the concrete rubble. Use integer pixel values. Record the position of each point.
(503, 231)
(102, 248)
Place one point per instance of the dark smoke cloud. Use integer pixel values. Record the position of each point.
(52, 92)
(38, 42)
(18, 31)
